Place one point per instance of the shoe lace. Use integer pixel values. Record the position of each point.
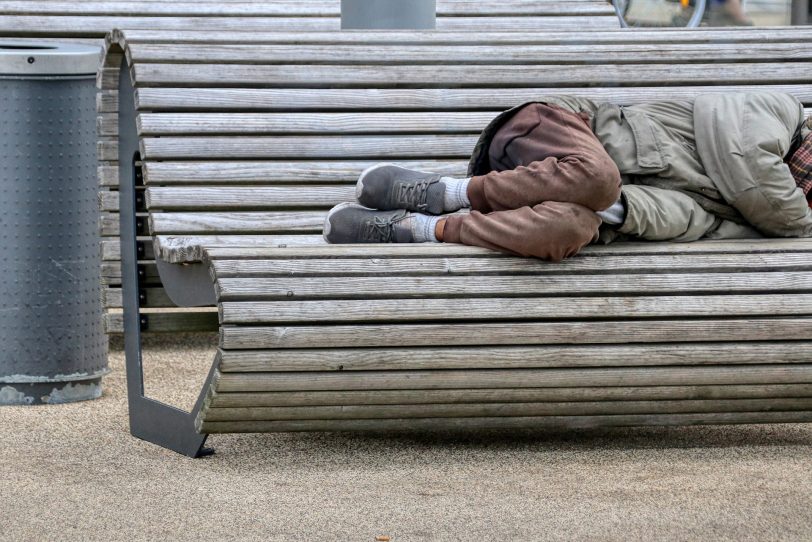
(414, 194)
(380, 229)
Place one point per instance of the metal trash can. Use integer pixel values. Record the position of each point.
(52, 345)
(388, 14)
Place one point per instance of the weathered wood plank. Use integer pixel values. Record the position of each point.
(582, 408)
(152, 297)
(190, 248)
(107, 124)
(429, 250)
(517, 333)
(107, 101)
(313, 123)
(111, 273)
(484, 395)
(111, 249)
(615, 37)
(109, 225)
(607, 75)
(585, 263)
(108, 201)
(446, 99)
(166, 322)
(502, 308)
(245, 222)
(378, 147)
(402, 287)
(250, 197)
(108, 175)
(268, 172)
(362, 53)
(514, 378)
(515, 357)
(547, 422)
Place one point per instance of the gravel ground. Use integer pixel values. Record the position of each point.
(73, 472)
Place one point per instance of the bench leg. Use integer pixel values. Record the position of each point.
(150, 420)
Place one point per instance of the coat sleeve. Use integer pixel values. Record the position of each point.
(742, 139)
(657, 214)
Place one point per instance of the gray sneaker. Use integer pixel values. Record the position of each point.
(387, 186)
(352, 223)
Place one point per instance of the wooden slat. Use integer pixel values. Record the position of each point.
(313, 123)
(379, 147)
(433, 250)
(515, 378)
(108, 201)
(254, 197)
(108, 175)
(166, 322)
(111, 273)
(586, 263)
(496, 308)
(517, 333)
(107, 124)
(190, 248)
(581, 408)
(616, 37)
(417, 358)
(153, 297)
(544, 422)
(221, 223)
(607, 75)
(111, 249)
(446, 99)
(275, 171)
(371, 288)
(485, 395)
(361, 53)
(109, 225)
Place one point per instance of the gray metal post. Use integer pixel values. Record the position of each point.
(801, 13)
(54, 347)
(388, 14)
(150, 420)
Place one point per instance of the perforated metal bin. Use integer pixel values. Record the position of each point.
(52, 345)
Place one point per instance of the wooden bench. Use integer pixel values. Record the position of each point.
(240, 145)
(202, 21)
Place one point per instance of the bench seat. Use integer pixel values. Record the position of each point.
(228, 153)
(359, 337)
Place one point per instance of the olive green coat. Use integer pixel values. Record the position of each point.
(710, 167)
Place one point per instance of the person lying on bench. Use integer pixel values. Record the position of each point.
(549, 177)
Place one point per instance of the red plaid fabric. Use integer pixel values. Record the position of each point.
(801, 167)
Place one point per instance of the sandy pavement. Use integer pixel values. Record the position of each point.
(73, 472)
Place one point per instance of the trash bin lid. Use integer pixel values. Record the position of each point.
(48, 58)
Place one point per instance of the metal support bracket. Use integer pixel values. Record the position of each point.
(150, 420)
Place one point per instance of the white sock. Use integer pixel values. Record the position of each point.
(423, 228)
(456, 193)
(614, 214)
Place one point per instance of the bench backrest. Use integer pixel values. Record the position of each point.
(250, 139)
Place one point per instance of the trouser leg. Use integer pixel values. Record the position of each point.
(545, 153)
(550, 230)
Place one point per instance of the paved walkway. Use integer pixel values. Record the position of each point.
(72, 472)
